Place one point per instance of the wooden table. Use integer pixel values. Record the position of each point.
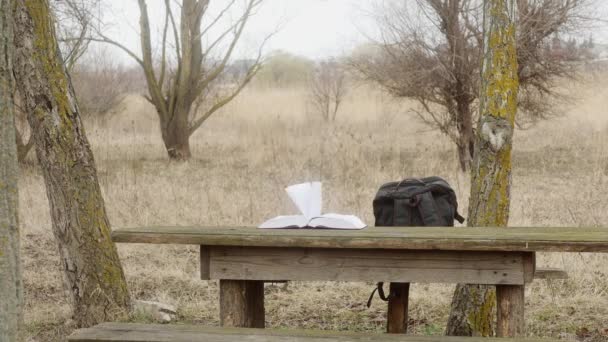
(244, 258)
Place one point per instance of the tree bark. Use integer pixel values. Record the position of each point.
(176, 136)
(471, 311)
(466, 142)
(23, 148)
(460, 89)
(93, 274)
(473, 306)
(11, 284)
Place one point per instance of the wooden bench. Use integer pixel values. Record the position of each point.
(243, 258)
(550, 274)
(124, 332)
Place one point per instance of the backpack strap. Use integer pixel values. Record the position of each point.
(401, 217)
(428, 210)
(439, 184)
(380, 288)
(459, 218)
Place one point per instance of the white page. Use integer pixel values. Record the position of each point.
(334, 223)
(294, 221)
(337, 222)
(307, 198)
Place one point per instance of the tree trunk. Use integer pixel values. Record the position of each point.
(11, 285)
(471, 311)
(93, 274)
(466, 138)
(460, 91)
(176, 136)
(23, 149)
(473, 306)
(465, 142)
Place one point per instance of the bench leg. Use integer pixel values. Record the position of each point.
(242, 303)
(396, 318)
(510, 310)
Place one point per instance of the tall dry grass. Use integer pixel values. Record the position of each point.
(269, 138)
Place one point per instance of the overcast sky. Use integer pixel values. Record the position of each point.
(312, 28)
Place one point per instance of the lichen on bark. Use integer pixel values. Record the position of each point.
(92, 271)
(491, 172)
(11, 283)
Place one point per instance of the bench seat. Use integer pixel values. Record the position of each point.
(550, 274)
(131, 332)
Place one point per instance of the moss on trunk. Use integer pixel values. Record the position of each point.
(473, 307)
(11, 284)
(93, 274)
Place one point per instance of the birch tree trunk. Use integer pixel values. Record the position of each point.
(473, 306)
(11, 286)
(93, 274)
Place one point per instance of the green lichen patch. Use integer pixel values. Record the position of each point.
(47, 55)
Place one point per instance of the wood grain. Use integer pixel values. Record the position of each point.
(130, 332)
(550, 273)
(262, 263)
(529, 266)
(397, 314)
(441, 238)
(510, 310)
(242, 303)
(204, 258)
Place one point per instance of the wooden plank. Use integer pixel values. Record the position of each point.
(443, 238)
(510, 310)
(262, 263)
(529, 266)
(204, 257)
(242, 304)
(132, 332)
(550, 273)
(397, 314)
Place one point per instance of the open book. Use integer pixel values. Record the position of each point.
(307, 198)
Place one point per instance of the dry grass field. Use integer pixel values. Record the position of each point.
(266, 140)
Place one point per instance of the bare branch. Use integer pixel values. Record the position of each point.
(251, 72)
(163, 58)
(430, 52)
(211, 76)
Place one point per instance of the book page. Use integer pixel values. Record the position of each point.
(307, 198)
(337, 221)
(290, 221)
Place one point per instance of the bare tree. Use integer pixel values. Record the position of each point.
(183, 86)
(102, 82)
(328, 87)
(93, 274)
(11, 284)
(430, 51)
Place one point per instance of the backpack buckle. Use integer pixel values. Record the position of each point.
(413, 201)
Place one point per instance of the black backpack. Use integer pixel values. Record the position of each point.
(414, 202)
